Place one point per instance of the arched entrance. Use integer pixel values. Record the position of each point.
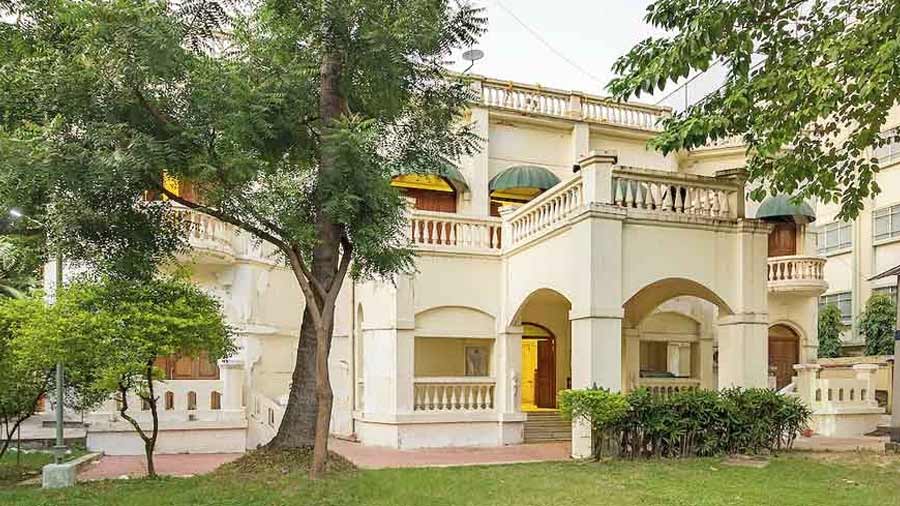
(784, 353)
(538, 367)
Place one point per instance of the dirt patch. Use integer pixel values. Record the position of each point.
(257, 462)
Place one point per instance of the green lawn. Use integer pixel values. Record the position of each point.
(15, 468)
(795, 479)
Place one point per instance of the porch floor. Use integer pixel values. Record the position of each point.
(369, 457)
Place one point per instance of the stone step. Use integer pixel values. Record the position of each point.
(546, 426)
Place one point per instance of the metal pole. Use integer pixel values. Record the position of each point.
(60, 449)
(895, 393)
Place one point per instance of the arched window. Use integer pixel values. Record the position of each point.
(170, 401)
(192, 401)
(215, 401)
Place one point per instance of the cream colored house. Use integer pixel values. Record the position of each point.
(870, 244)
(563, 255)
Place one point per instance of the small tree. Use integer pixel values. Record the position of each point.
(830, 328)
(23, 377)
(878, 322)
(128, 325)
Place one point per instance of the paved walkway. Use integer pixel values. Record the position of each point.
(818, 443)
(117, 466)
(368, 457)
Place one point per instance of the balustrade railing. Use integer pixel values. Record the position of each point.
(453, 232)
(560, 103)
(453, 394)
(544, 212)
(207, 233)
(796, 268)
(673, 193)
(664, 387)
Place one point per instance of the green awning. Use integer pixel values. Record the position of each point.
(523, 176)
(782, 208)
(446, 170)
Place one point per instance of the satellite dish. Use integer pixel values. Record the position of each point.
(472, 55)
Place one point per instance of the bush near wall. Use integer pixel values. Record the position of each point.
(687, 424)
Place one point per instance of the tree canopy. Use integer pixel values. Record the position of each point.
(809, 87)
(878, 322)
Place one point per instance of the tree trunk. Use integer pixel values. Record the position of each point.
(298, 427)
(150, 443)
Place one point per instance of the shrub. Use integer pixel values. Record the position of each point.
(830, 328)
(878, 322)
(689, 423)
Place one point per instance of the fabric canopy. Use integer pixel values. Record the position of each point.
(782, 208)
(523, 176)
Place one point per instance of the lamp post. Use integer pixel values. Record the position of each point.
(59, 450)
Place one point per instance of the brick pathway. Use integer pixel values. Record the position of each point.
(368, 457)
(116, 466)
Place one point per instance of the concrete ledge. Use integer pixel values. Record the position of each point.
(65, 474)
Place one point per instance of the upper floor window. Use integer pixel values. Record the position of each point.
(890, 152)
(886, 222)
(834, 236)
(890, 291)
(844, 302)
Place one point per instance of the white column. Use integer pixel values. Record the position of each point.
(596, 171)
(632, 355)
(232, 373)
(743, 351)
(673, 358)
(508, 372)
(596, 362)
(704, 362)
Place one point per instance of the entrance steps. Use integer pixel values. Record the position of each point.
(546, 426)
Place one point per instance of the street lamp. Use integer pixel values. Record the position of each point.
(59, 450)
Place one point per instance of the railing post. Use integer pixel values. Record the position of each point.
(737, 200)
(596, 170)
(866, 374)
(807, 382)
(232, 384)
(575, 106)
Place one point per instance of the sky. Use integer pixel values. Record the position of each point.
(590, 34)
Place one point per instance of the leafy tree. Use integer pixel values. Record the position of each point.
(126, 326)
(289, 130)
(830, 328)
(809, 86)
(878, 323)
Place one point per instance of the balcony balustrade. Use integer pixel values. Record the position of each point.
(453, 394)
(799, 274)
(211, 240)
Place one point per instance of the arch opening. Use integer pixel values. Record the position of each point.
(545, 351)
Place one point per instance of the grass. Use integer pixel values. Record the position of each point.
(15, 468)
(859, 479)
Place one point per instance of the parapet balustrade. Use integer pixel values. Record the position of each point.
(797, 273)
(546, 211)
(674, 193)
(453, 394)
(663, 387)
(550, 102)
(210, 237)
(452, 232)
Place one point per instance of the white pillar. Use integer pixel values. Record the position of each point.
(596, 362)
(704, 362)
(743, 351)
(632, 356)
(673, 358)
(596, 170)
(866, 373)
(508, 374)
(807, 382)
(232, 373)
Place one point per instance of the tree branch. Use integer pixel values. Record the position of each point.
(123, 390)
(158, 115)
(346, 257)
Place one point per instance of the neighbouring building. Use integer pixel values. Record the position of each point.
(563, 255)
(859, 249)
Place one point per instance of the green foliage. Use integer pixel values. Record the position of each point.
(688, 423)
(878, 322)
(830, 328)
(809, 86)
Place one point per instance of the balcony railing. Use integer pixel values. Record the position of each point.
(546, 211)
(452, 232)
(446, 394)
(797, 273)
(208, 236)
(565, 104)
(664, 387)
(674, 193)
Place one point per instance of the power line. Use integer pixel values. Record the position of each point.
(546, 44)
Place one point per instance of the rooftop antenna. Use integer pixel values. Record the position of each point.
(472, 55)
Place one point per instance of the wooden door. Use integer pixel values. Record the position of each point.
(429, 200)
(783, 240)
(784, 352)
(545, 375)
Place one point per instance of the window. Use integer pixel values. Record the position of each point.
(842, 300)
(834, 236)
(891, 151)
(886, 222)
(890, 291)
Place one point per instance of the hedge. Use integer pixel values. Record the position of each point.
(688, 423)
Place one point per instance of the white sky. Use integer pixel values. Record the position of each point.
(591, 33)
